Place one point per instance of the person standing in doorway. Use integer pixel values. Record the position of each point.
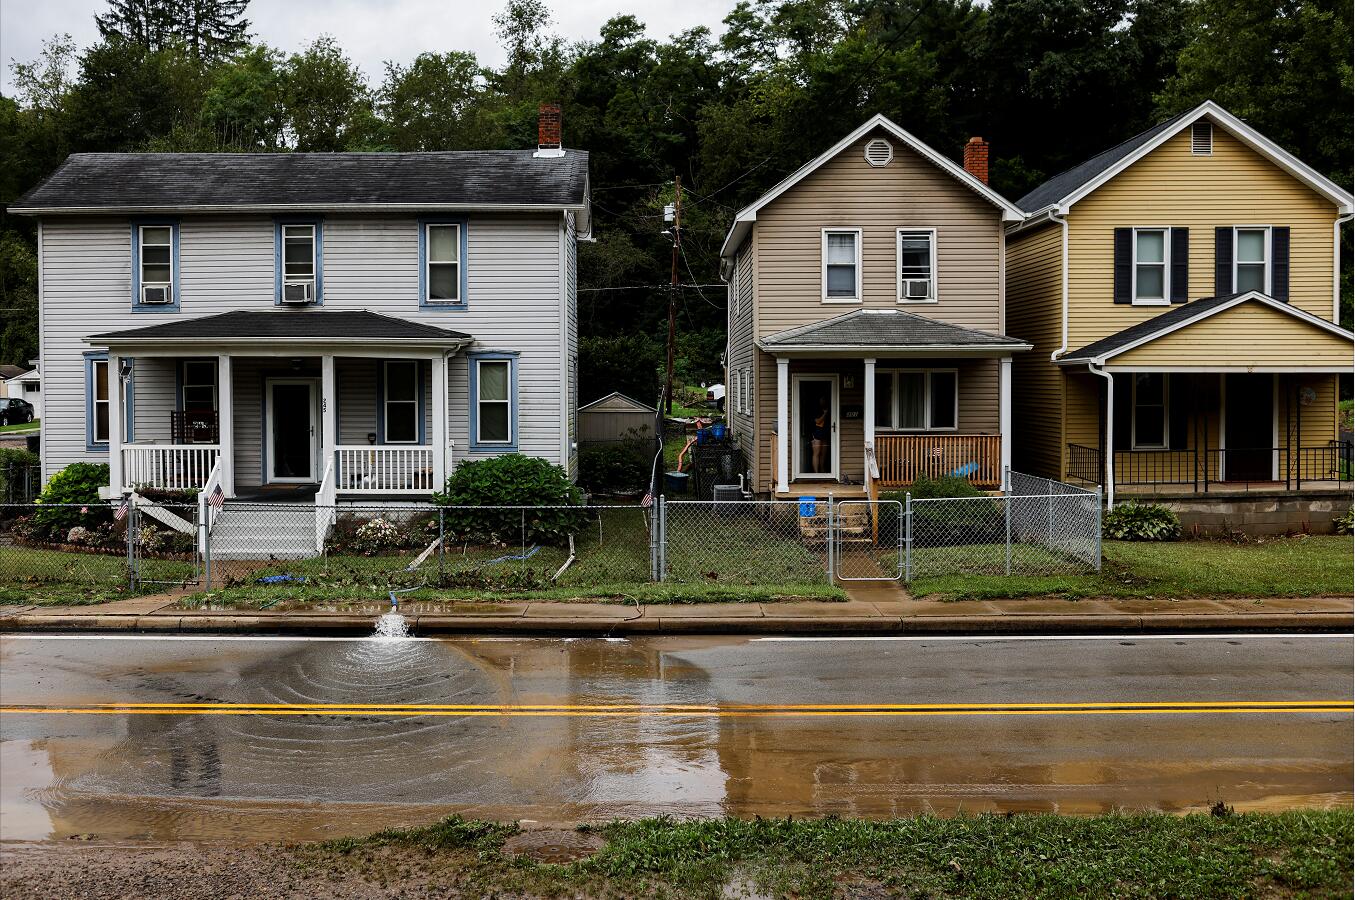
(820, 435)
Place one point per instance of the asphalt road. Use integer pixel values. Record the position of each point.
(260, 739)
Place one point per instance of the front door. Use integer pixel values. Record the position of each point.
(1248, 428)
(291, 432)
(815, 427)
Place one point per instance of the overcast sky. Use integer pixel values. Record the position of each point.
(370, 31)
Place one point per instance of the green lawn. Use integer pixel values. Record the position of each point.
(1303, 566)
(1292, 854)
(27, 426)
(60, 578)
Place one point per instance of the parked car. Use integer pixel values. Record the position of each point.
(14, 411)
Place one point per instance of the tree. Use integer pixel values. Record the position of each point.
(210, 29)
(242, 107)
(327, 103)
(18, 299)
(627, 363)
(434, 103)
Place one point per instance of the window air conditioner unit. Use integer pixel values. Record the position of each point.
(917, 289)
(298, 292)
(159, 292)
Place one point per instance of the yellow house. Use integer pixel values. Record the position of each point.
(1181, 291)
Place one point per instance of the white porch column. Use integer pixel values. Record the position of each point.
(225, 422)
(329, 412)
(868, 416)
(116, 418)
(1004, 419)
(439, 421)
(783, 424)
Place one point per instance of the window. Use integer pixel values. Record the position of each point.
(1251, 264)
(300, 275)
(493, 402)
(157, 264)
(917, 266)
(442, 276)
(841, 265)
(97, 391)
(400, 402)
(732, 392)
(748, 391)
(1150, 266)
(199, 385)
(1150, 411)
(917, 400)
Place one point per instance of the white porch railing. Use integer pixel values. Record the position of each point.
(385, 470)
(172, 467)
(324, 507)
(207, 512)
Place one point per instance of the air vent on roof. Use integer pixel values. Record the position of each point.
(1202, 138)
(879, 152)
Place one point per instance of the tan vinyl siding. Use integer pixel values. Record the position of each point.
(1172, 187)
(910, 192)
(1252, 334)
(739, 358)
(1034, 314)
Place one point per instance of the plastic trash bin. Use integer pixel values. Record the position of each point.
(676, 482)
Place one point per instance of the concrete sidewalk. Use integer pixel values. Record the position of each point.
(852, 617)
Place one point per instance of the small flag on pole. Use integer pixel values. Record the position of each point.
(122, 510)
(648, 500)
(217, 497)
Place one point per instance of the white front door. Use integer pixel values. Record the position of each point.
(814, 427)
(291, 437)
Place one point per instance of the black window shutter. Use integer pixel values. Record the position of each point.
(1279, 263)
(1223, 261)
(1180, 265)
(1124, 262)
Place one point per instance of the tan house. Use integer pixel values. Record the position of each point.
(867, 321)
(1181, 292)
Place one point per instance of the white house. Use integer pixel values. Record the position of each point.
(25, 384)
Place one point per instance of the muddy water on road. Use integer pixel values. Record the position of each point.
(302, 777)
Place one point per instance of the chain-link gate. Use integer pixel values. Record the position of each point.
(162, 546)
(868, 540)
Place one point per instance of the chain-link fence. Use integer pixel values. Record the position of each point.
(20, 483)
(752, 542)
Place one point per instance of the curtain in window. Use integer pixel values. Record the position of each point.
(912, 400)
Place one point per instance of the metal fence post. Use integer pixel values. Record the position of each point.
(908, 536)
(654, 509)
(663, 538)
(1098, 528)
(206, 549)
(1007, 505)
(442, 544)
(131, 541)
(832, 538)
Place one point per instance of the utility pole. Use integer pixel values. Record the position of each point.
(672, 295)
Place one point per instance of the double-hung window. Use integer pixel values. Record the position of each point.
(493, 402)
(300, 257)
(1251, 262)
(917, 265)
(841, 265)
(400, 402)
(155, 264)
(98, 401)
(442, 263)
(917, 400)
(1150, 411)
(1151, 266)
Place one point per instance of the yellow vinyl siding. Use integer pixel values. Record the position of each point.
(1173, 187)
(1034, 314)
(909, 192)
(1252, 334)
(1082, 400)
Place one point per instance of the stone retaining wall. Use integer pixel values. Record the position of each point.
(1260, 514)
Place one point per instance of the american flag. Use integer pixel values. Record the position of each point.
(217, 497)
(121, 511)
(647, 500)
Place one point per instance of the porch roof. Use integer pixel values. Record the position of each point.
(863, 332)
(1248, 330)
(287, 326)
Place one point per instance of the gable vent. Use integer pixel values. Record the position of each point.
(879, 152)
(1202, 139)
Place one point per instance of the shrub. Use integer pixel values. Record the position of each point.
(1346, 524)
(376, 535)
(511, 480)
(614, 468)
(384, 534)
(73, 497)
(971, 517)
(1134, 521)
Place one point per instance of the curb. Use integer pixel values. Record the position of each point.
(845, 626)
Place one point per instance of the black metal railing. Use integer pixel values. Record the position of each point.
(1199, 468)
(194, 426)
(1085, 464)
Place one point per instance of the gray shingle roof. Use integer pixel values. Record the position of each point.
(867, 328)
(1068, 181)
(1113, 343)
(289, 324)
(309, 180)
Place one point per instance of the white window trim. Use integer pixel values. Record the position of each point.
(480, 402)
(1166, 298)
(429, 262)
(1134, 416)
(823, 264)
(386, 400)
(313, 277)
(748, 392)
(1265, 250)
(926, 401)
(898, 264)
(141, 258)
(95, 401)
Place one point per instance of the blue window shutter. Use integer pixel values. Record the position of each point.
(1223, 261)
(1279, 263)
(1180, 265)
(1124, 264)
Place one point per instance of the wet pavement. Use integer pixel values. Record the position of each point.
(261, 739)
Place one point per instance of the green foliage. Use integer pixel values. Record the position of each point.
(925, 487)
(511, 480)
(1345, 524)
(614, 468)
(76, 489)
(326, 99)
(1134, 521)
(628, 363)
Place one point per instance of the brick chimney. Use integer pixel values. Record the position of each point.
(976, 158)
(548, 130)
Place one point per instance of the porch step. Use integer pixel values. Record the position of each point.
(257, 532)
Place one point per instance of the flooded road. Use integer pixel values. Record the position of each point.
(261, 739)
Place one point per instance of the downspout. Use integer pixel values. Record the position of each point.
(1110, 432)
(1063, 347)
(1336, 265)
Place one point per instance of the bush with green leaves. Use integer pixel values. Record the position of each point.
(72, 499)
(613, 468)
(511, 480)
(967, 515)
(1134, 521)
(1345, 524)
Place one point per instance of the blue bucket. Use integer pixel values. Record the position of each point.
(807, 506)
(717, 431)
